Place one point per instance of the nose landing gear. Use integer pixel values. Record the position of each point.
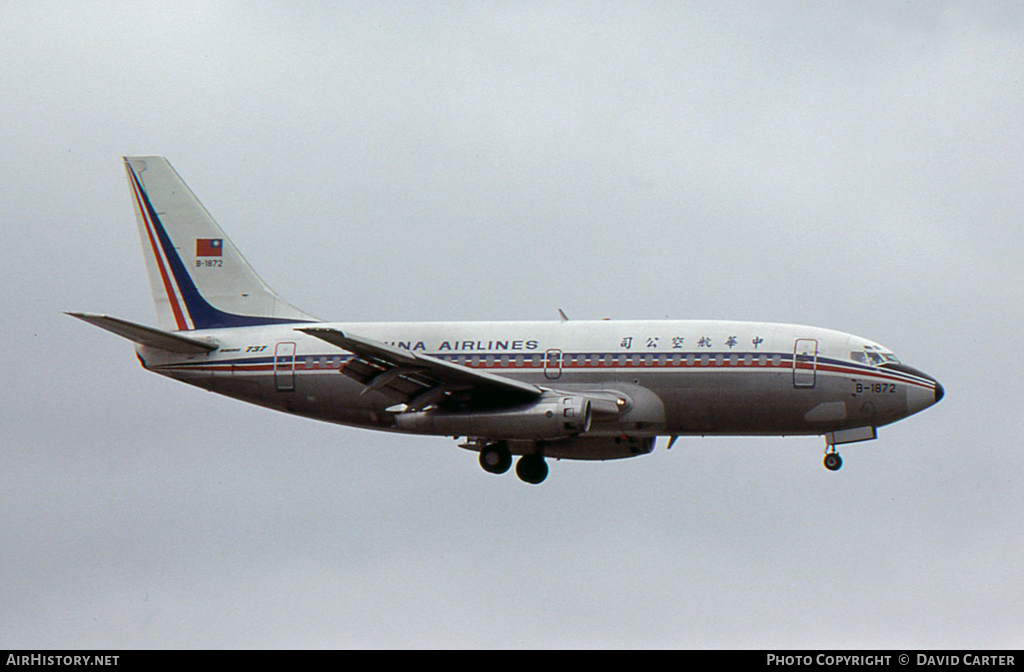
(832, 459)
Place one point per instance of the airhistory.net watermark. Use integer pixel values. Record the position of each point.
(67, 661)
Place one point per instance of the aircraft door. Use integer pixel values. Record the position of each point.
(553, 364)
(284, 367)
(805, 362)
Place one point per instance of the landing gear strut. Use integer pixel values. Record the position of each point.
(532, 469)
(496, 458)
(832, 459)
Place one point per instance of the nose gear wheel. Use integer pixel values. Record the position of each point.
(832, 459)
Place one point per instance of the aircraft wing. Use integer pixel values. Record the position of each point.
(419, 380)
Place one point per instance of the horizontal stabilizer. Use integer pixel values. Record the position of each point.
(143, 335)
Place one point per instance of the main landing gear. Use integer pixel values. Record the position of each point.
(832, 459)
(532, 469)
(495, 458)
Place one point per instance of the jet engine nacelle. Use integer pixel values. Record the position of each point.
(551, 417)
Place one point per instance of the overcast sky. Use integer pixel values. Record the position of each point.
(856, 166)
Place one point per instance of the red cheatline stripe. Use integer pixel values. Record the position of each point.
(768, 367)
(179, 318)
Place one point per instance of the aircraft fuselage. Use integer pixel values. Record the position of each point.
(708, 377)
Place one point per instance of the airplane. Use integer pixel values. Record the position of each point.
(559, 389)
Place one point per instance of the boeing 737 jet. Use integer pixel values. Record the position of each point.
(563, 389)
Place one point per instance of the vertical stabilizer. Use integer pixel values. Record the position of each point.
(198, 277)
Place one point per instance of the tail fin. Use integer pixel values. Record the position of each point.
(198, 277)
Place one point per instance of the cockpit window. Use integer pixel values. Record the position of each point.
(873, 356)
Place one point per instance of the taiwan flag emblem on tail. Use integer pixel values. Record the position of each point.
(209, 247)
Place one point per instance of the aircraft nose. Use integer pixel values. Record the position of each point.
(918, 396)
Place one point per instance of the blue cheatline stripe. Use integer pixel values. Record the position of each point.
(202, 314)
